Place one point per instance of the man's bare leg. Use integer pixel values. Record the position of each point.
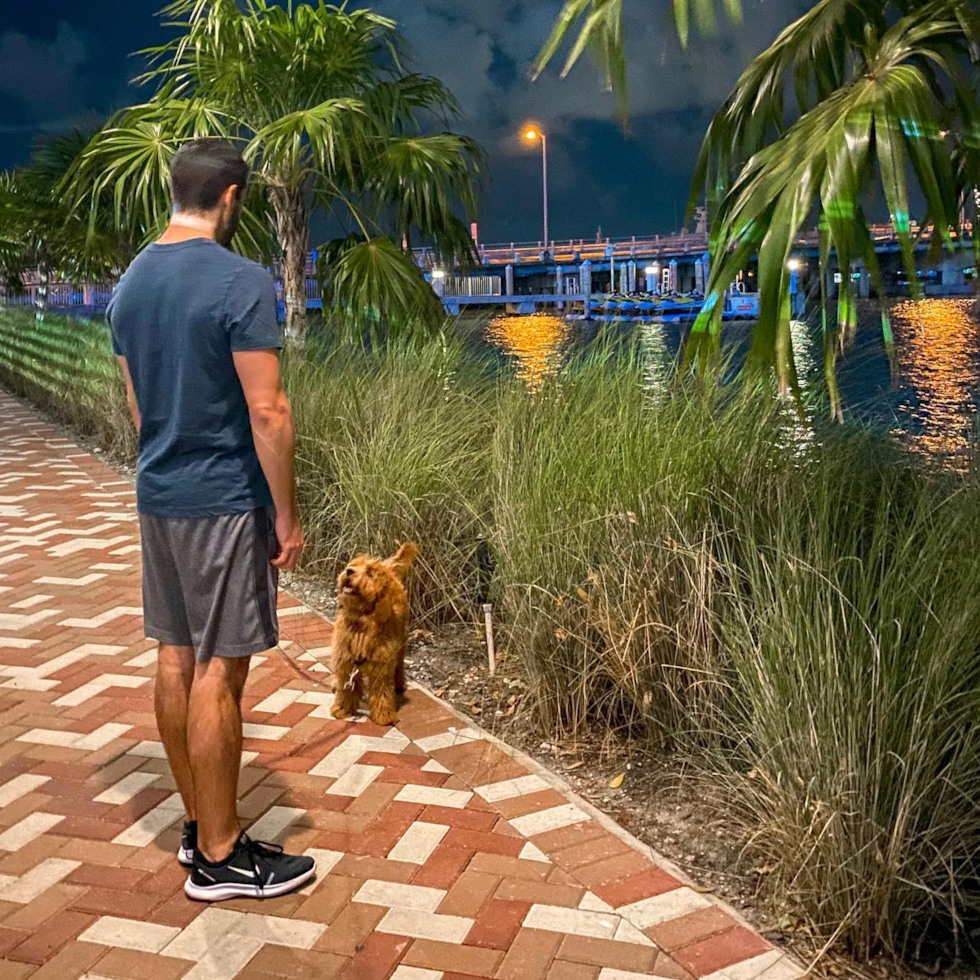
(175, 673)
(214, 742)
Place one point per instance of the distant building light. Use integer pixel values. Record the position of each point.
(793, 265)
(438, 274)
(652, 270)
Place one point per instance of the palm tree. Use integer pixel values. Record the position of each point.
(886, 98)
(40, 231)
(330, 121)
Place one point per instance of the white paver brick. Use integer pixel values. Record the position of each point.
(355, 780)
(110, 930)
(28, 829)
(425, 925)
(433, 796)
(418, 842)
(394, 895)
(574, 922)
(554, 818)
(508, 789)
(660, 908)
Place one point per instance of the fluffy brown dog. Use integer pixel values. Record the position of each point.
(370, 635)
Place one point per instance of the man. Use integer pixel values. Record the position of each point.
(194, 326)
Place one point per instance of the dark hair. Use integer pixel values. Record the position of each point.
(202, 170)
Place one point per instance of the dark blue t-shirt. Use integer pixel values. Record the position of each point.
(176, 316)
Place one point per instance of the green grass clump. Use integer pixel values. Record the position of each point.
(791, 610)
(66, 367)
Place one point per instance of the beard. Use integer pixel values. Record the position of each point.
(228, 224)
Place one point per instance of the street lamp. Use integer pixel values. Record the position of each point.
(532, 134)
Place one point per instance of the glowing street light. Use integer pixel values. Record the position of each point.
(438, 273)
(532, 134)
(793, 265)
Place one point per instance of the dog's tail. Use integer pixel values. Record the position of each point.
(403, 559)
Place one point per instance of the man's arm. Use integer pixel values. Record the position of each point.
(134, 408)
(275, 440)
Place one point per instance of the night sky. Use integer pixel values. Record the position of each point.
(67, 63)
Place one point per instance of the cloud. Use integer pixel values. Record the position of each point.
(463, 41)
(483, 50)
(46, 76)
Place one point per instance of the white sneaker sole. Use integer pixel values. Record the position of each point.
(186, 857)
(221, 892)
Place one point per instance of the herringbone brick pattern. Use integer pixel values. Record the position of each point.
(440, 855)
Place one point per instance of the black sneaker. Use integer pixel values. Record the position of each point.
(254, 869)
(188, 844)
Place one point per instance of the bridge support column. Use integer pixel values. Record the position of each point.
(797, 298)
(632, 276)
(560, 286)
(864, 283)
(509, 280)
(952, 271)
(585, 285)
(672, 287)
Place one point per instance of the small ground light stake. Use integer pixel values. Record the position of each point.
(491, 652)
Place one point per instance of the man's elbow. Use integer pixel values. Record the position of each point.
(271, 415)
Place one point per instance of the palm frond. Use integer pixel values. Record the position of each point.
(881, 126)
(599, 26)
(376, 286)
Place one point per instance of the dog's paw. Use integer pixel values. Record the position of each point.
(383, 718)
(340, 711)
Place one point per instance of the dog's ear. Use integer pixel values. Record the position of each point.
(403, 559)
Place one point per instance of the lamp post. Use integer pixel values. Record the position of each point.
(532, 134)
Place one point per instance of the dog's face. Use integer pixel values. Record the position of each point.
(366, 580)
(362, 581)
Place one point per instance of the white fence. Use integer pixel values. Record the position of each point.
(61, 294)
(473, 286)
(312, 290)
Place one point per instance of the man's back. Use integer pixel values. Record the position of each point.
(177, 315)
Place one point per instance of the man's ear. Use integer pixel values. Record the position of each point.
(403, 559)
(232, 195)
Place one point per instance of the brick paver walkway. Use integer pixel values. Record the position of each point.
(440, 855)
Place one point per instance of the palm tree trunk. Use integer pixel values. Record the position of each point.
(293, 232)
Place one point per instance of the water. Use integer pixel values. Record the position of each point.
(927, 399)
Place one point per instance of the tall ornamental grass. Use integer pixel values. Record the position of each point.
(791, 610)
(394, 448)
(66, 367)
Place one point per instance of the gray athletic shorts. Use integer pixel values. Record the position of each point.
(207, 582)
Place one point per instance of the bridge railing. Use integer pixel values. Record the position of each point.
(575, 250)
(473, 286)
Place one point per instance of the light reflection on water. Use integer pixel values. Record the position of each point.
(537, 345)
(938, 348)
(930, 403)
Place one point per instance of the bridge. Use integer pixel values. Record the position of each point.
(524, 276)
